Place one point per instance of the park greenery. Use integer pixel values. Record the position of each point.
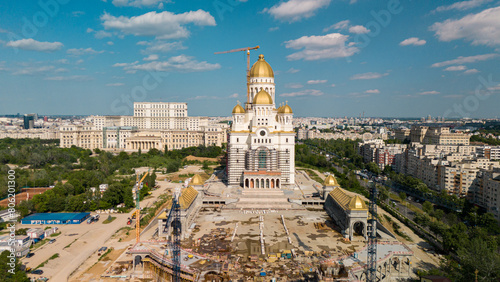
(73, 171)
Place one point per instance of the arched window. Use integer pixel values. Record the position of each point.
(262, 159)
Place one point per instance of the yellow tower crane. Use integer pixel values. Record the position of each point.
(138, 208)
(247, 49)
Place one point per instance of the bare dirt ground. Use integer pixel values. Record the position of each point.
(193, 158)
(92, 268)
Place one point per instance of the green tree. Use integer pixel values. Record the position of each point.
(476, 255)
(427, 207)
(402, 196)
(8, 274)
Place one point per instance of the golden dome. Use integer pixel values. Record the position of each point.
(286, 110)
(238, 109)
(262, 98)
(357, 203)
(197, 180)
(330, 180)
(261, 68)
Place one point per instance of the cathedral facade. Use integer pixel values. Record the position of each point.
(261, 143)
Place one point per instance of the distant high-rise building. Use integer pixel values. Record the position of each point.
(29, 121)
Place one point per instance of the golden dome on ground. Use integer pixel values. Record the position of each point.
(261, 68)
(330, 181)
(238, 109)
(262, 98)
(196, 180)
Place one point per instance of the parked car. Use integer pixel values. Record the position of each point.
(30, 255)
(37, 271)
(52, 241)
(103, 249)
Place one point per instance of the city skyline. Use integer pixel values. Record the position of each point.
(331, 58)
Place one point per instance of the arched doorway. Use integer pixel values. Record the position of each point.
(358, 228)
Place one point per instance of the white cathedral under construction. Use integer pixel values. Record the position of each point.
(261, 143)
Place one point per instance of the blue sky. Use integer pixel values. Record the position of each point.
(331, 58)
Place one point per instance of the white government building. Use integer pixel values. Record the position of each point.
(261, 142)
(154, 125)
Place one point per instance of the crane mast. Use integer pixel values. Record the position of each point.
(138, 207)
(174, 221)
(371, 268)
(247, 49)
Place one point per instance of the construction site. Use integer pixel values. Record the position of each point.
(213, 232)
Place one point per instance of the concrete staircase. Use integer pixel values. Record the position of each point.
(263, 199)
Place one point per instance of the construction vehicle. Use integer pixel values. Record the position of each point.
(129, 221)
(247, 49)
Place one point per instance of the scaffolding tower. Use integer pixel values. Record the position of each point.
(371, 275)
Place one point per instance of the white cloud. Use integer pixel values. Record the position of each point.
(60, 70)
(33, 45)
(318, 81)
(307, 92)
(340, 26)
(328, 46)
(78, 13)
(455, 68)
(204, 98)
(110, 43)
(368, 75)
(413, 41)
(481, 29)
(464, 60)
(138, 3)
(454, 96)
(83, 51)
(292, 70)
(62, 61)
(102, 34)
(115, 84)
(271, 29)
(333, 85)
(294, 10)
(294, 85)
(161, 46)
(181, 63)
(464, 5)
(71, 77)
(471, 71)
(358, 29)
(234, 95)
(428, 93)
(164, 25)
(125, 64)
(152, 57)
(372, 91)
(79, 61)
(30, 70)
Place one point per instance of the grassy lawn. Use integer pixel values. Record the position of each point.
(39, 244)
(69, 245)
(109, 220)
(313, 175)
(55, 234)
(54, 256)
